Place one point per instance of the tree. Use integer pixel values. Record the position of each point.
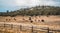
(7, 11)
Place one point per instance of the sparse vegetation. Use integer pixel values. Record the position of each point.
(38, 10)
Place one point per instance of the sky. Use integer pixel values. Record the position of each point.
(12, 5)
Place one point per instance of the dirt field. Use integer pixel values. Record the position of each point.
(33, 18)
(37, 20)
(53, 22)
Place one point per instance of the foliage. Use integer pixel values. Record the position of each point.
(38, 10)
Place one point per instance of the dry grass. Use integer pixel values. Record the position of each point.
(26, 18)
(53, 22)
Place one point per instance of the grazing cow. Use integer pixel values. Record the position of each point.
(14, 19)
(42, 20)
(31, 21)
(9, 19)
(23, 19)
(35, 20)
(29, 18)
(38, 20)
(6, 19)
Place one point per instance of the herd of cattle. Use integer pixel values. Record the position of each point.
(25, 19)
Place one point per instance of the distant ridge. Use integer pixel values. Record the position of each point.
(37, 10)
